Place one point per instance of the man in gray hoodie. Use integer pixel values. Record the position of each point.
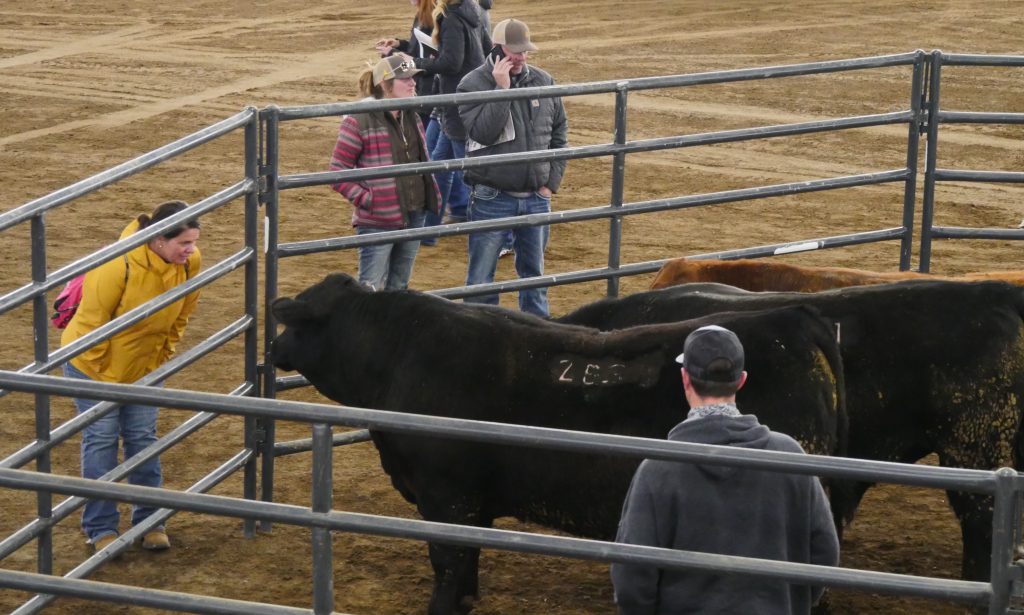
(721, 509)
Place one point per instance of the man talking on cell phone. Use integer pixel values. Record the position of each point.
(514, 189)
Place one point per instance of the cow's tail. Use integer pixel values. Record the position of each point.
(843, 494)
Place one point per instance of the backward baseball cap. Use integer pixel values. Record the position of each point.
(712, 354)
(514, 35)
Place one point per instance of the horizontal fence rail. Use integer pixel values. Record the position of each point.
(300, 248)
(304, 180)
(579, 548)
(126, 594)
(123, 246)
(603, 273)
(604, 87)
(973, 481)
(126, 169)
(975, 59)
(140, 313)
(171, 367)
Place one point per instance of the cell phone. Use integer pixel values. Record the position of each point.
(497, 53)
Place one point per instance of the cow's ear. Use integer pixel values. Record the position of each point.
(294, 312)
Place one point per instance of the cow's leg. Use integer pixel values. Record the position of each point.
(975, 514)
(456, 580)
(469, 581)
(451, 565)
(985, 439)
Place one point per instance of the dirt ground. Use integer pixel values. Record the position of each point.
(92, 83)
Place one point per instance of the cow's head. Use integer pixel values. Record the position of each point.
(306, 342)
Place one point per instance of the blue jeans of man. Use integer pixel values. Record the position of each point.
(454, 192)
(389, 266)
(136, 426)
(488, 204)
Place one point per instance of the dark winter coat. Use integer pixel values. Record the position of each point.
(540, 123)
(461, 47)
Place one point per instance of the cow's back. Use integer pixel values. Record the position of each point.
(772, 276)
(916, 355)
(765, 275)
(624, 382)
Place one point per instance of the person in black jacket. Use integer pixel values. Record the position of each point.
(460, 41)
(722, 509)
(485, 13)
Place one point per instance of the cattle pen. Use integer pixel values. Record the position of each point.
(261, 190)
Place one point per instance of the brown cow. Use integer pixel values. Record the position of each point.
(766, 275)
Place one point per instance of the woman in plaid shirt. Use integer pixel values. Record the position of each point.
(377, 139)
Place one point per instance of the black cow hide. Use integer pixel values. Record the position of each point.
(416, 353)
(931, 367)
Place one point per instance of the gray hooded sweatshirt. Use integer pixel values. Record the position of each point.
(726, 510)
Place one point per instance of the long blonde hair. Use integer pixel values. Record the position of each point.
(441, 11)
(425, 14)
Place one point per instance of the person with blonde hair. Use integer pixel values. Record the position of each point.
(378, 139)
(461, 41)
(108, 291)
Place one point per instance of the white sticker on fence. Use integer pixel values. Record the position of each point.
(798, 247)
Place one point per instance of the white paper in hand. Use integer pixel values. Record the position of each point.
(508, 133)
(424, 39)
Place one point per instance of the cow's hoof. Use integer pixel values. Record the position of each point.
(466, 604)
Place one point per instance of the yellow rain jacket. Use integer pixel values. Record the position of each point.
(106, 294)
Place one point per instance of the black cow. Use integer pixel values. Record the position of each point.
(930, 367)
(412, 352)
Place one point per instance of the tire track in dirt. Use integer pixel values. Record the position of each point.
(80, 46)
(318, 64)
(309, 66)
(30, 86)
(678, 35)
(117, 44)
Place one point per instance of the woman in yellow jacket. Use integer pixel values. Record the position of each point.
(108, 291)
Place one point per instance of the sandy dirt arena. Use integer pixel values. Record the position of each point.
(89, 84)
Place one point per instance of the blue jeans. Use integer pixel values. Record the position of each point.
(389, 266)
(454, 192)
(529, 243)
(136, 426)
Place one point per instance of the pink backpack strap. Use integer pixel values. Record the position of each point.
(67, 302)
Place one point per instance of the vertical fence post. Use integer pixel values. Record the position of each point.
(270, 196)
(618, 185)
(1003, 514)
(928, 203)
(913, 146)
(252, 173)
(323, 487)
(40, 320)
